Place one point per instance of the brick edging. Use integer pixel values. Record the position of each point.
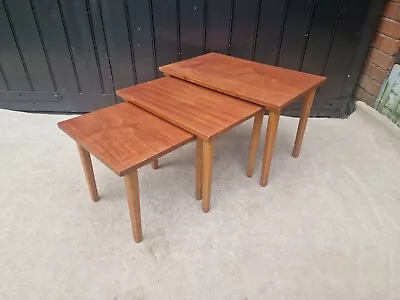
(382, 55)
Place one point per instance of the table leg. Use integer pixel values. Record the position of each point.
(154, 164)
(199, 167)
(305, 113)
(255, 139)
(132, 192)
(273, 122)
(88, 169)
(208, 149)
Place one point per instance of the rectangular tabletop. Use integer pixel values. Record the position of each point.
(124, 136)
(199, 110)
(270, 86)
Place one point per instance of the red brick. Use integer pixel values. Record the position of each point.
(375, 72)
(371, 86)
(390, 28)
(386, 44)
(385, 61)
(392, 11)
(364, 96)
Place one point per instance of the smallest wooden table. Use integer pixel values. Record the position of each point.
(124, 138)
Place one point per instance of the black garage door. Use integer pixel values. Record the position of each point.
(71, 55)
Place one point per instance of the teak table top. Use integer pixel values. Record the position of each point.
(201, 111)
(124, 136)
(270, 86)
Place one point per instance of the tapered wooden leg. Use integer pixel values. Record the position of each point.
(154, 164)
(132, 192)
(305, 113)
(88, 169)
(208, 150)
(255, 139)
(199, 167)
(273, 122)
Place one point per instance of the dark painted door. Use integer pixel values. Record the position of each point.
(71, 55)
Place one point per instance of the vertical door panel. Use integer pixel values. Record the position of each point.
(3, 85)
(82, 44)
(244, 22)
(27, 34)
(269, 34)
(165, 31)
(117, 36)
(10, 57)
(142, 39)
(51, 25)
(295, 33)
(191, 28)
(98, 35)
(344, 47)
(321, 35)
(218, 25)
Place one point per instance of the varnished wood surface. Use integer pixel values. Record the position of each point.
(266, 85)
(132, 193)
(89, 174)
(208, 153)
(272, 129)
(255, 138)
(199, 168)
(301, 129)
(154, 164)
(199, 110)
(124, 136)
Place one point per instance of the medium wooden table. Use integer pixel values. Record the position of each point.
(272, 87)
(201, 111)
(123, 137)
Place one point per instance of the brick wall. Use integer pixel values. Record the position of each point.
(382, 56)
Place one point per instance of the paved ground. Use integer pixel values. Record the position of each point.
(327, 226)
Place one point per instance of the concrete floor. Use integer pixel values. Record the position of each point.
(326, 227)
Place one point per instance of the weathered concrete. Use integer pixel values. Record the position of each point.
(327, 226)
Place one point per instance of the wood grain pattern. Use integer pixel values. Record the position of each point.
(154, 164)
(305, 113)
(208, 153)
(89, 174)
(132, 193)
(255, 138)
(201, 111)
(199, 168)
(272, 128)
(124, 137)
(266, 85)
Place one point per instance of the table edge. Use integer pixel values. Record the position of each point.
(268, 106)
(123, 172)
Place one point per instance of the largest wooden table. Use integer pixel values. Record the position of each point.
(272, 87)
